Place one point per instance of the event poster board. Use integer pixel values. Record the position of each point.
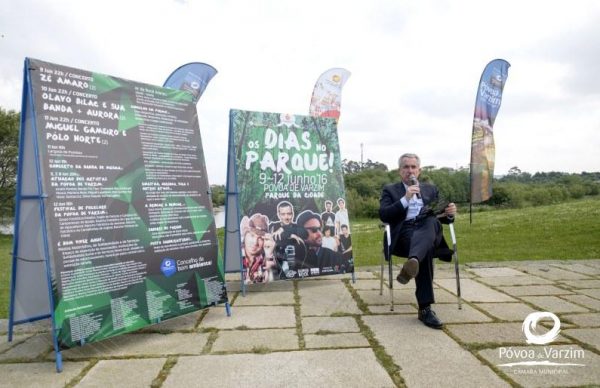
(129, 229)
(285, 175)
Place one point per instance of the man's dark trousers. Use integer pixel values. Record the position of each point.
(419, 238)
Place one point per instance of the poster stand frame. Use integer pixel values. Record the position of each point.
(232, 205)
(232, 200)
(29, 150)
(40, 197)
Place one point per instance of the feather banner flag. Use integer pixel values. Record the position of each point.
(487, 104)
(326, 99)
(193, 77)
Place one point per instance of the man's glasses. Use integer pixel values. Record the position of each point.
(313, 229)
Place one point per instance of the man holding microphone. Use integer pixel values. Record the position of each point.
(408, 207)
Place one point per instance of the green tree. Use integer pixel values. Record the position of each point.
(218, 195)
(9, 146)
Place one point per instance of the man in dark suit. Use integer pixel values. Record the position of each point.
(408, 207)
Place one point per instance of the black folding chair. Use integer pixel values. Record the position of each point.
(387, 256)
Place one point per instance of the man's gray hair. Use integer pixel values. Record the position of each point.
(410, 156)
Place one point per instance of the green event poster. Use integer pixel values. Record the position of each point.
(291, 197)
(131, 233)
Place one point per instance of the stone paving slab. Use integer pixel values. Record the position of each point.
(365, 275)
(319, 368)
(554, 304)
(441, 271)
(584, 320)
(398, 309)
(371, 284)
(416, 348)
(584, 300)
(39, 374)
(402, 296)
(197, 342)
(186, 322)
(507, 311)
(495, 333)
(449, 313)
(491, 272)
(132, 373)
(342, 340)
(446, 271)
(581, 283)
(256, 340)
(593, 292)
(149, 345)
(545, 375)
(550, 272)
(30, 349)
(372, 297)
(578, 267)
(475, 292)
(40, 326)
(17, 339)
(234, 286)
(326, 298)
(311, 325)
(272, 298)
(587, 336)
(526, 280)
(535, 290)
(255, 317)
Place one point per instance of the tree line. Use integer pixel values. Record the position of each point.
(517, 189)
(364, 181)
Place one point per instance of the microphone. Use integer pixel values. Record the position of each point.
(413, 182)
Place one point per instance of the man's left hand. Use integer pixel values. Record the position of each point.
(450, 210)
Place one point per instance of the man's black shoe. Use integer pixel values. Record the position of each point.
(410, 269)
(428, 317)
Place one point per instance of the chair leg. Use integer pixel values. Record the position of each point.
(381, 271)
(391, 276)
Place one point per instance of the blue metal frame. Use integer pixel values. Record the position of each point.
(40, 197)
(18, 197)
(229, 192)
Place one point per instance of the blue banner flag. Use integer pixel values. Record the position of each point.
(487, 104)
(192, 77)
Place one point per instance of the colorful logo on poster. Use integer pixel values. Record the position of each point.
(168, 267)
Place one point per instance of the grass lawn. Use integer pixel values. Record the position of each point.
(568, 230)
(5, 264)
(565, 231)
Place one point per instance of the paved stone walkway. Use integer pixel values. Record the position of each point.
(331, 332)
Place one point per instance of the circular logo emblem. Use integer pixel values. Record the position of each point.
(530, 328)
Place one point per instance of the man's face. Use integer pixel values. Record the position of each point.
(315, 236)
(409, 167)
(285, 214)
(345, 231)
(328, 206)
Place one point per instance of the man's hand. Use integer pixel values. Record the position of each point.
(277, 234)
(412, 190)
(450, 210)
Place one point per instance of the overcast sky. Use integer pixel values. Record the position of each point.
(415, 68)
